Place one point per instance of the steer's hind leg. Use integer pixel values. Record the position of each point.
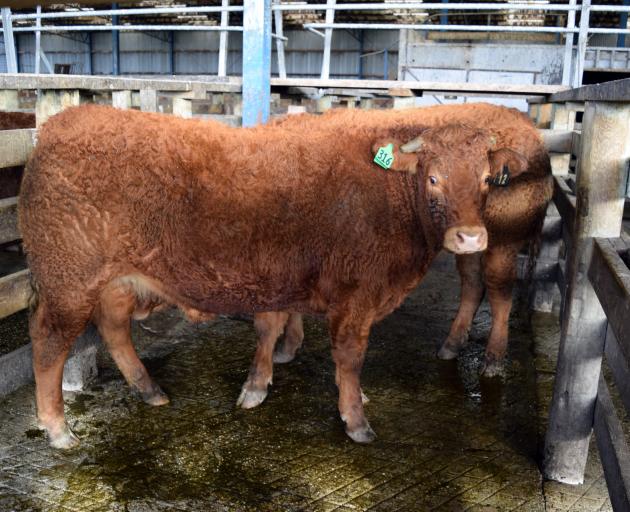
(269, 326)
(469, 267)
(113, 319)
(293, 337)
(349, 343)
(52, 334)
(499, 274)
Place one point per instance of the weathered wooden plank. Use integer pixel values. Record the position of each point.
(15, 292)
(16, 146)
(618, 364)
(8, 220)
(610, 278)
(542, 298)
(25, 81)
(557, 141)
(600, 186)
(613, 449)
(52, 102)
(565, 201)
(418, 86)
(618, 90)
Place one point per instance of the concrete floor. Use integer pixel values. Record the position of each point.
(447, 440)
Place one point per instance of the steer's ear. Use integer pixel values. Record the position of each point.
(388, 154)
(506, 164)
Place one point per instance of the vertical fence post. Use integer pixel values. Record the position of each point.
(256, 61)
(115, 45)
(223, 40)
(585, 14)
(9, 41)
(599, 209)
(568, 46)
(38, 42)
(330, 18)
(277, 17)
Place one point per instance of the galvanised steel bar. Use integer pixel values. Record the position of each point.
(461, 28)
(427, 6)
(9, 41)
(128, 12)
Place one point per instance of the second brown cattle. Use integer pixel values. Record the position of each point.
(513, 215)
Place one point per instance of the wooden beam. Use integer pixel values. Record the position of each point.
(385, 85)
(16, 146)
(52, 102)
(557, 141)
(618, 364)
(15, 292)
(25, 81)
(600, 186)
(613, 449)
(8, 220)
(565, 201)
(610, 278)
(148, 100)
(618, 90)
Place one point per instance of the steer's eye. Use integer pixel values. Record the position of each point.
(487, 180)
(433, 180)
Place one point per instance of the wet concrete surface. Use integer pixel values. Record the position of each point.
(448, 440)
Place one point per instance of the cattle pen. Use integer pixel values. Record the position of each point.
(583, 263)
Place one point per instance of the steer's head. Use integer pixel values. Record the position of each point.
(455, 167)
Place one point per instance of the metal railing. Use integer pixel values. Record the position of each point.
(278, 8)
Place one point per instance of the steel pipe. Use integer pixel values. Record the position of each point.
(461, 28)
(129, 12)
(427, 6)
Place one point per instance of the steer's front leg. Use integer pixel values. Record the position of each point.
(349, 342)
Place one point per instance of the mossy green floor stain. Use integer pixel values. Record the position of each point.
(448, 440)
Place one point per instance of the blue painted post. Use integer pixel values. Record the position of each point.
(256, 61)
(444, 14)
(623, 23)
(115, 45)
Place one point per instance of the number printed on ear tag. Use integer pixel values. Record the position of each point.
(385, 156)
(502, 179)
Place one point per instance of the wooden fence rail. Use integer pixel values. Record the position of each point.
(594, 281)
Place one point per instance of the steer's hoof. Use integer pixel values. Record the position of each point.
(492, 368)
(155, 396)
(362, 435)
(63, 439)
(250, 398)
(281, 357)
(447, 352)
(364, 398)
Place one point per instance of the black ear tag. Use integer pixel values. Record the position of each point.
(502, 179)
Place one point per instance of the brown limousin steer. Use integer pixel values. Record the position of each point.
(118, 207)
(513, 215)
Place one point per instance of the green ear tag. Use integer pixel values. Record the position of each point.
(385, 156)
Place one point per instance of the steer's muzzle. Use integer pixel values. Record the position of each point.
(466, 239)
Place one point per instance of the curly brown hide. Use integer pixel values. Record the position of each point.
(121, 206)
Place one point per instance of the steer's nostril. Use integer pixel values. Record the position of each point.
(461, 237)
